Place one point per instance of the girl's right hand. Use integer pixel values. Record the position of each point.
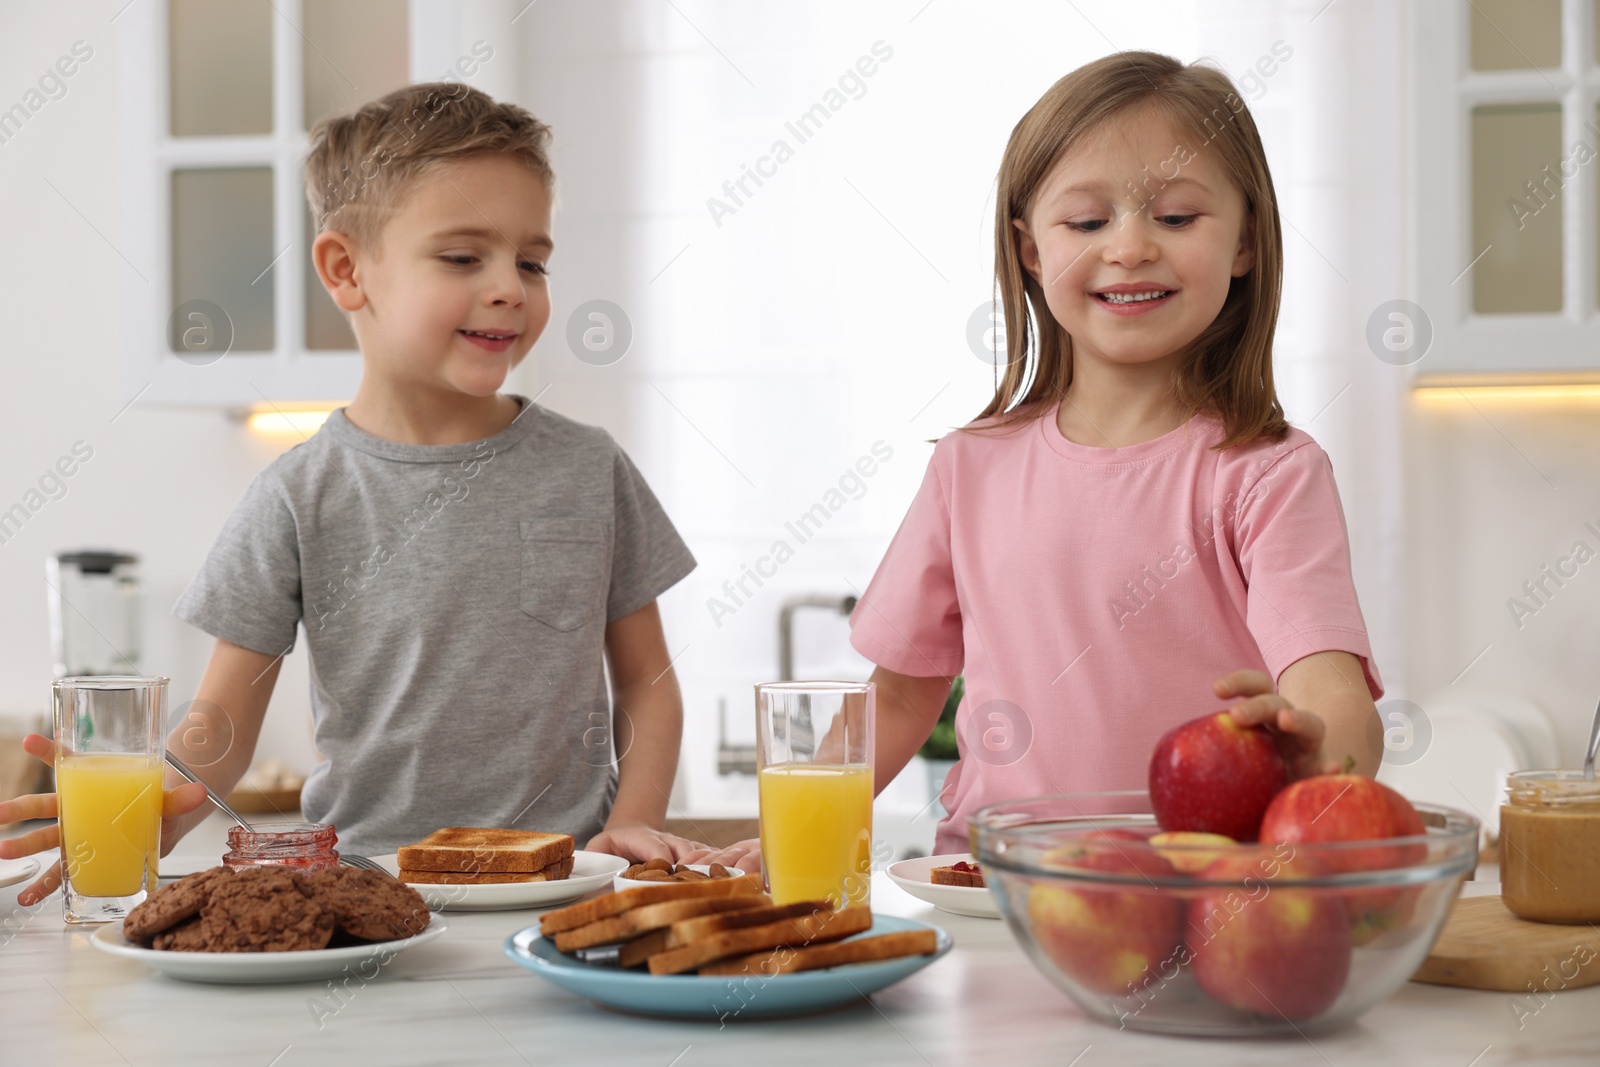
(175, 804)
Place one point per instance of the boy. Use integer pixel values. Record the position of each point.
(463, 562)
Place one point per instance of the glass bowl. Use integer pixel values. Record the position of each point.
(1213, 939)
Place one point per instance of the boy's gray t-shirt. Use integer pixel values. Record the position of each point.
(454, 599)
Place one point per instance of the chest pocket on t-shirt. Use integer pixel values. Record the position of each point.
(564, 572)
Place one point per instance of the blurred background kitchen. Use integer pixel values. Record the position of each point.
(750, 321)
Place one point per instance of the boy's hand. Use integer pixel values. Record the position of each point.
(638, 842)
(176, 802)
(745, 855)
(1299, 734)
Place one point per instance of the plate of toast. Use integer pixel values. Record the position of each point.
(465, 868)
(952, 883)
(720, 949)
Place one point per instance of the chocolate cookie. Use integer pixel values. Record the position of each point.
(172, 904)
(187, 936)
(369, 905)
(264, 910)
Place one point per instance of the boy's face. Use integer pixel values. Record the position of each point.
(456, 292)
(1138, 208)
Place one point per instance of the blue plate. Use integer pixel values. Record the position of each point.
(692, 996)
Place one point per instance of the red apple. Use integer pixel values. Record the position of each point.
(1350, 807)
(1107, 938)
(1267, 947)
(1214, 776)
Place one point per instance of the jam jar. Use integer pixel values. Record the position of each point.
(1550, 847)
(298, 846)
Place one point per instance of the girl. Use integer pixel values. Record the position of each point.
(1131, 518)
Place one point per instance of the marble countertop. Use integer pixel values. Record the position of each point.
(458, 1000)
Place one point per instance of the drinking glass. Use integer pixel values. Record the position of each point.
(814, 768)
(109, 752)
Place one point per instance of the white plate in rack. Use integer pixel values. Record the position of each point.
(912, 876)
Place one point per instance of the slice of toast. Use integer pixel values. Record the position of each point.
(685, 931)
(587, 911)
(953, 876)
(484, 850)
(638, 921)
(835, 954)
(805, 930)
(556, 872)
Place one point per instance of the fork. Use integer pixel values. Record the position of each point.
(348, 859)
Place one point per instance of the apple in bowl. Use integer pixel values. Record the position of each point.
(1350, 807)
(1211, 775)
(1266, 947)
(1106, 937)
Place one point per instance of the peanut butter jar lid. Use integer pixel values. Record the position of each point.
(1553, 790)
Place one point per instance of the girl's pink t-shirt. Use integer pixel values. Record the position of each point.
(1090, 596)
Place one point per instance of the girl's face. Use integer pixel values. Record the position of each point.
(1134, 237)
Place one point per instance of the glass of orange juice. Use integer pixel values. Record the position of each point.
(109, 764)
(814, 768)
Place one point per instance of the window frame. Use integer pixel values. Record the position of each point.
(1467, 346)
(289, 373)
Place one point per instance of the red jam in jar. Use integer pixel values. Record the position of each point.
(297, 846)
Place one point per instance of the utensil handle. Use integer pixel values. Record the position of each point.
(1594, 744)
(182, 768)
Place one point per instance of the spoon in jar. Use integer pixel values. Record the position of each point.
(1594, 743)
(183, 769)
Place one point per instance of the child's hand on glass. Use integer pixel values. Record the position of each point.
(174, 804)
(1299, 733)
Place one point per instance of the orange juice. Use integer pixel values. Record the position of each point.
(816, 832)
(110, 807)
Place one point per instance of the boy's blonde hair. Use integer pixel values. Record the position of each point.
(1229, 367)
(363, 162)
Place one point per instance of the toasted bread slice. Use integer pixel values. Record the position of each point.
(638, 921)
(814, 957)
(805, 930)
(556, 872)
(685, 931)
(484, 850)
(587, 911)
(951, 876)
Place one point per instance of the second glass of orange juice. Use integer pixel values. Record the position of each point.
(816, 784)
(109, 764)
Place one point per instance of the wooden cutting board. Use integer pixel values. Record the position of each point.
(1484, 946)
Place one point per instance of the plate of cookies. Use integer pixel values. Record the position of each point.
(271, 924)
(464, 868)
(952, 883)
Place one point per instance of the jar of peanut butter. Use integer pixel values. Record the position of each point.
(1550, 847)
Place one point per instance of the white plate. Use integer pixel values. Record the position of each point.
(634, 883)
(912, 876)
(590, 871)
(262, 968)
(14, 871)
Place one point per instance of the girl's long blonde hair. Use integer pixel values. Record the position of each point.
(1228, 371)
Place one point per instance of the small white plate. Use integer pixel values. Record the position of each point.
(14, 871)
(590, 871)
(634, 883)
(262, 968)
(912, 876)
